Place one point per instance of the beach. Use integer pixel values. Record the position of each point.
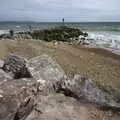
(99, 59)
(97, 63)
(45, 73)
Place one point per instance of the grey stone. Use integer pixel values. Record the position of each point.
(84, 89)
(46, 71)
(22, 99)
(16, 98)
(17, 66)
(56, 107)
(52, 77)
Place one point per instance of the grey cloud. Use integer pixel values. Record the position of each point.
(51, 10)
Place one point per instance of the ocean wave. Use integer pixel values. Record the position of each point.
(4, 32)
(116, 29)
(107, 40)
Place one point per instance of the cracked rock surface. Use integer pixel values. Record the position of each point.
(49, 94)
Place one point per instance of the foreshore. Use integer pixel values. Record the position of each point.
(97, 63)
(69, 47)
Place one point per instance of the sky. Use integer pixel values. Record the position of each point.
(55, 10)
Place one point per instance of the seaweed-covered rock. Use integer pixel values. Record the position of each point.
(59, 34)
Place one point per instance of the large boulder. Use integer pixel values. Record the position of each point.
(58, 107)
(47, 72)
(82, 88)
(17, 66)
(16, 97)
(53, 79)
(22, 99)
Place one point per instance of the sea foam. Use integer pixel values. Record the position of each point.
(4, 32)
(105, 39)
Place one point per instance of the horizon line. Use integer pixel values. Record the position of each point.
(56, 21)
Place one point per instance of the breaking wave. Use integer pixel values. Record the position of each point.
(105, 39)
(4, 32)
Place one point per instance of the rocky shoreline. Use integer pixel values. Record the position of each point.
(58, 34)
(29, 98)
(39, 88)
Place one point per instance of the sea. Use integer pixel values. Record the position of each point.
(100, 34)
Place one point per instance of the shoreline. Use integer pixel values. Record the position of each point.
(87, 41)
(64, 35)
(107, 52)
(111, 50)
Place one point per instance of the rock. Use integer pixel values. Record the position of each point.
(85, 89)
(85, 34)
(46, 71)
(82, 40)
(60, 107)
(58, 34)
(24, 99)
(24, 109)
(4, 76)
(56, 107)
(52, 78)
(22, 36)
(16, 97)
(17, 66)
(5, 36)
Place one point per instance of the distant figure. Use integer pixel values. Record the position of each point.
(11, 33)
(63, 20)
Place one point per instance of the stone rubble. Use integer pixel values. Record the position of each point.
(23, 97)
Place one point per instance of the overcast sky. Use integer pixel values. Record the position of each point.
(54, 10)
